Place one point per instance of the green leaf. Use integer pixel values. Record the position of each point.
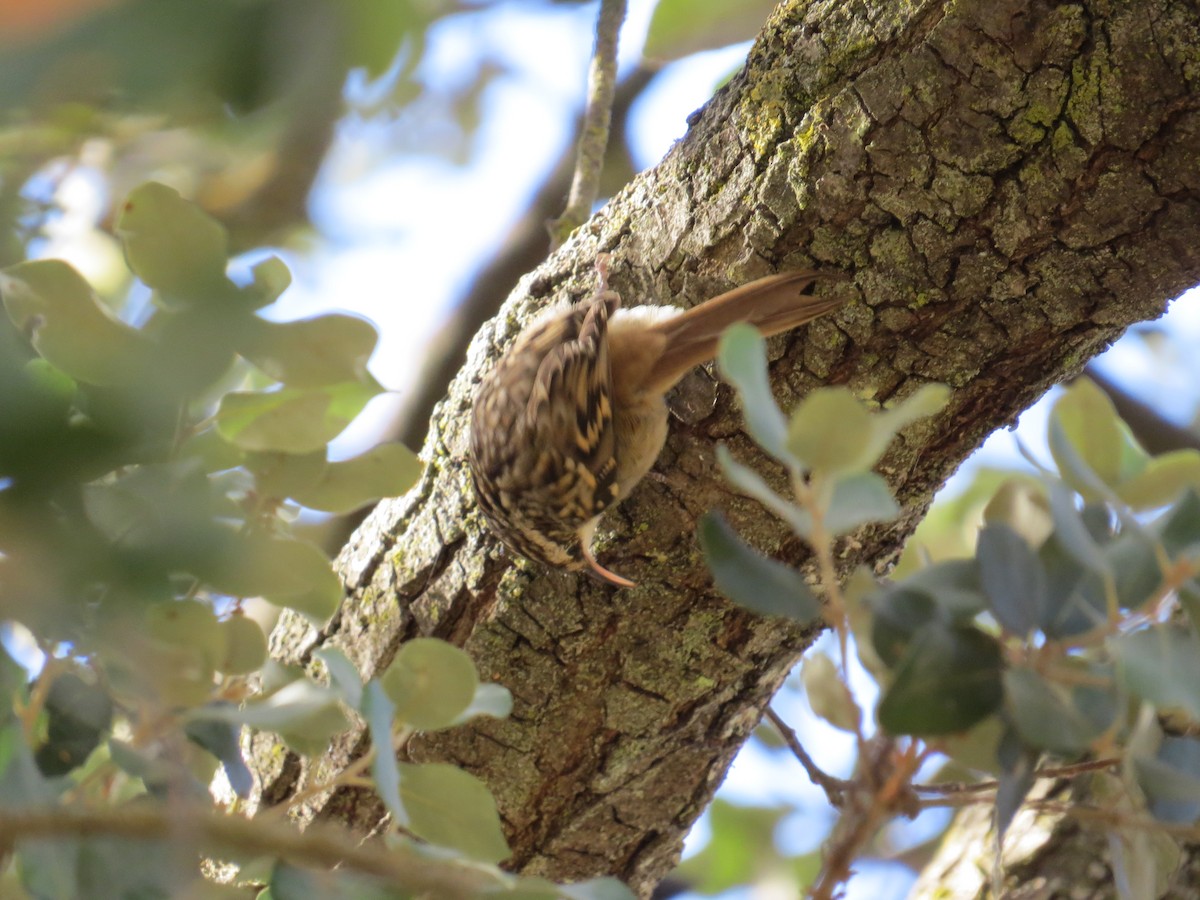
(1171, 780)
(173, 245)
(1012, 578)
(953, 585)
(752, 580)
(859, 499)
(741, 846)
(222, 740)
(1179, 527)
(271, 278)
(830, 431)
(386, 470)
(948, 680)
(1085, 421)
(1162, 480)
(343, 675)
(304, 714)
(450, 808)
(286, 571)
(1044, 714)
(431, 682)
(680, 28)
(377, 709)
(291, 420)
(311, 353)
(49, 301)
(1161, 664)
(493, 700)
(828, 695)
(279, 475)
(1073, 533)
(1023, 507)
(750, 483)
(743, 360)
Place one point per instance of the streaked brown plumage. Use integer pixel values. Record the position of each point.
(573, 415)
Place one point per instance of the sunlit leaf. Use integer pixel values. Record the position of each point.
(451, 808)
(431, 682)
(290, 419)
(310, 353)
(1085, 419)
(286, 571)
(173, 245)
(752, 580)
(680, 28)
(386, 470)
(49, 301)
(831, 431)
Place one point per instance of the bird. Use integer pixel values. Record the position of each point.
(574, 414)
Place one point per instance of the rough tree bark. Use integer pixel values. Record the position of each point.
(1011, 183)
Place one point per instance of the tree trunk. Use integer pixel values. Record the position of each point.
(1011, 184)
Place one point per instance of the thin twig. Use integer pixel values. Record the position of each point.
(979, 787)
(834, 788)
(593, 140)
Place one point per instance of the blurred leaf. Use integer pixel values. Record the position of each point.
(752, 580)
(859, 499)
(271, 277)
(827, 694)
(1179, 527)
(743, 360)
(814, 440)
(291, 420)
(386, 470)
(78, 716)
(1073, 533)
(245, 646)
(311, 353)
(286, 571)
(377, 709)
(1012, 580)
(278, 474)
(304, 714)
(188, 624)
(1023, 507)
(977, 749)
(1044, 715)
(1161, 664)
(741, 847)
(493, 700)
(221, 739)
(1162, 480)
(431, 682)
(1085, 420)
(51, 303)
(680, 28)
(1171, 780)
(1016, 780)
(451, 808)
(948, 680)
(750, 483)
(343, 675)
(174, 246)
